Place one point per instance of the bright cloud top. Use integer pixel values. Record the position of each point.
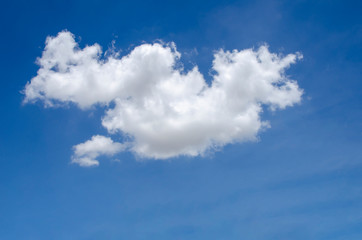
(163, 110)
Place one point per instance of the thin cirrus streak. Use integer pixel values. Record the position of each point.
(166, 111)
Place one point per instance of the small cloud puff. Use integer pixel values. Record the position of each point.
(165, 111)
(85, 154)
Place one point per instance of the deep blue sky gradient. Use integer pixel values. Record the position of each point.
(302, 180)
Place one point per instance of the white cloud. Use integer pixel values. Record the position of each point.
(164, 110)
(85, 154)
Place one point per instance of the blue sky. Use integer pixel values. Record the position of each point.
(301, 180)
